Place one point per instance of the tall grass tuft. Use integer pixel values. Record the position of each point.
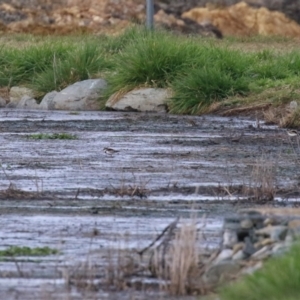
(196, 91)
(199, 71)
(21, 66)
(184, 259)
(152, 59)
(115, 44)
(292, 62)
(82, 63)
(277, 280)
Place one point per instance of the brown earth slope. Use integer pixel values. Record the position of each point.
(109, 16)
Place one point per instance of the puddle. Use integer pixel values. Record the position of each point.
(63, 191)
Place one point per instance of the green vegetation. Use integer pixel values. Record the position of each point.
(277, 280)
(23, 65)
(52, 64)
(204, 74)
(27, 251)
(86, 61)
(52, 136)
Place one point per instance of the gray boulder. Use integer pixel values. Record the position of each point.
(11, 105)
(2, 102)
(16, 93)
(221, 272)
(81, 95)
(145, 100)
(27, 102)
(47, 102)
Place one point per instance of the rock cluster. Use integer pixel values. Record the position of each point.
(85, 95)
(248, 240)
(81, 95)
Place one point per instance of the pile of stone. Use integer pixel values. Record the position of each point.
(85, 95)
(249, 239)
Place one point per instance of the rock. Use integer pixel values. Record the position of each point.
(2, 102)
(16, 93)
(276, 233)
(27, 102)
(145, 100)
(280, 249)
(294, 227)
(225, 254)
(248, 240)
(11, 105)
(249, 249)
(246, 224)
(269, 221)
(252, 269)
(237, 247)
(229, 238)
(293, 105)
(47, 102)
(239, 255)
(264, 242)
(220, 272)
(289, 239)
(262, 254)
(82, 95)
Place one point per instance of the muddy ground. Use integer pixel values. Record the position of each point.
(72, 196)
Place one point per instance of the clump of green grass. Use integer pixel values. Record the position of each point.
(199, 71)
(85, 62)
(54, 64)
(27, 251)
(196, 91)
(115, 44)
(152, 59)
(52, 136)
(21, 66)
(277, 280)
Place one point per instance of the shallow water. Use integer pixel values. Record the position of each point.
(63, 191)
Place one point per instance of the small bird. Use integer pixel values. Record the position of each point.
(292, 132)
(110, 151)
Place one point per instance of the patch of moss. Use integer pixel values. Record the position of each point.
(52, 136)
(27, 251)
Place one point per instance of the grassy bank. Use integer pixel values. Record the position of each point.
(278, 280)
(205, 75)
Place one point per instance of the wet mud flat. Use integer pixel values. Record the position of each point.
(72, 196)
